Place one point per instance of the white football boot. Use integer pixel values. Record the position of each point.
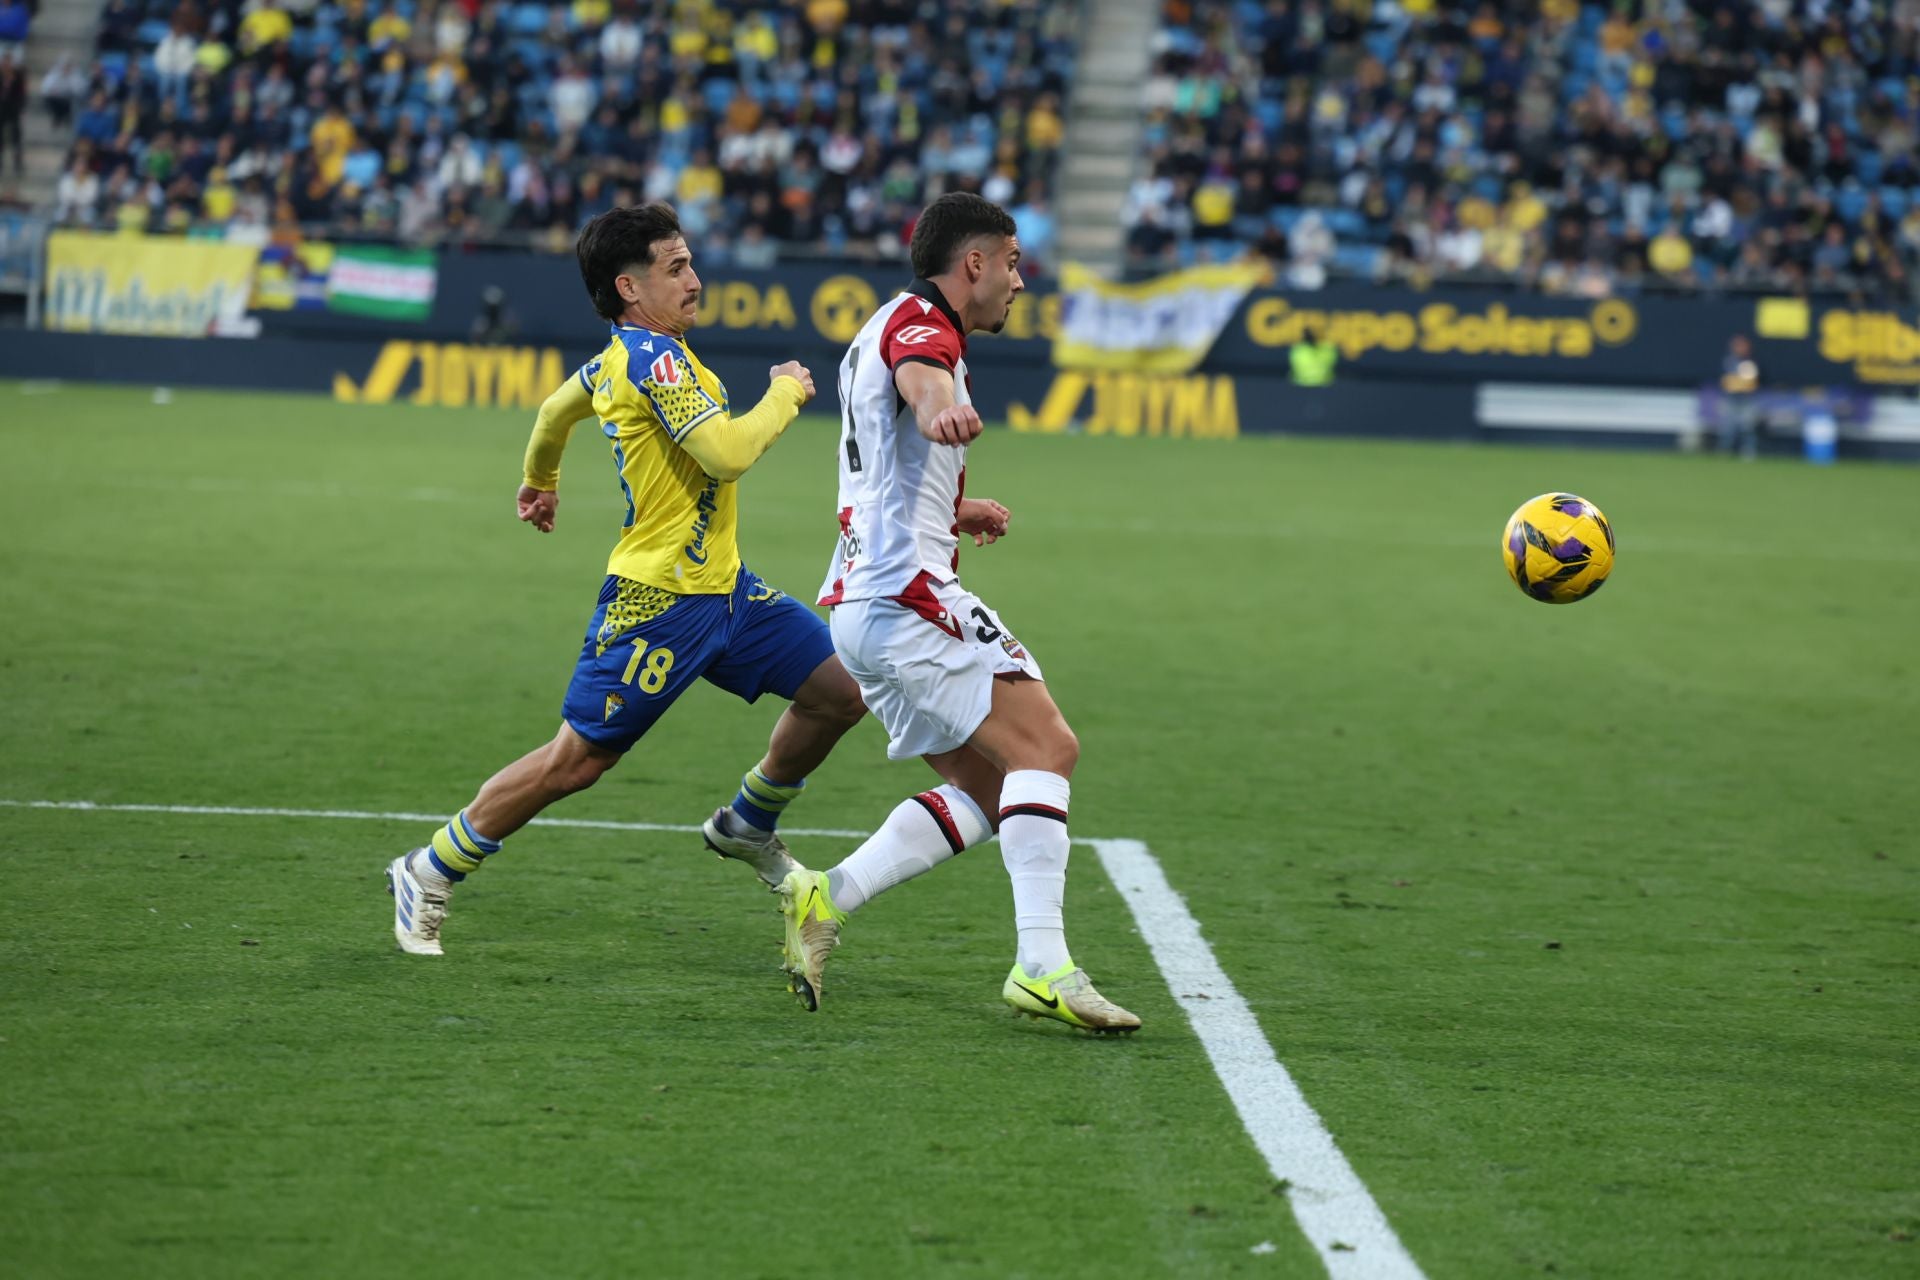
(419, 904)
(764, 851)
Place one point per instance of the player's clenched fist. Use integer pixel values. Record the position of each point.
(955, 424)
(795, 370)
(538, 507)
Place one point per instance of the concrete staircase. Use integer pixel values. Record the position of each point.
(62, 28)
(1103, 130)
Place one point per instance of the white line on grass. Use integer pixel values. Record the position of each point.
(359, 815)
(1332, 1205)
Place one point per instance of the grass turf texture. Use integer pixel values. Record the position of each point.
(1589, 931)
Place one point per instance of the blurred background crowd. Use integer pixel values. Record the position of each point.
(1587, 149)
(819, 127)
(1582, 148)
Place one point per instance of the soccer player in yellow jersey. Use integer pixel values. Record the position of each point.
(677, 603)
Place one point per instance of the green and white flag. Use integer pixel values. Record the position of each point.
(393, 284)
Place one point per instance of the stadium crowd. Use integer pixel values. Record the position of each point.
(1587, 149)
(820, 126)
(1577, 148)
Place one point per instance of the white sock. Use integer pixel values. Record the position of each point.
(426, 873)
(1033, 844)
(919, 835)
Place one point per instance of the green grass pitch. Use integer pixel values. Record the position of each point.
(1591, 932)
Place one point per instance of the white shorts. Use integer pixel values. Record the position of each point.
(926, 667)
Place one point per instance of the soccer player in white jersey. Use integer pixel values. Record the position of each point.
(934, 663)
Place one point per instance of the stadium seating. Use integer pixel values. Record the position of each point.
(776, 128)
(1583, 148)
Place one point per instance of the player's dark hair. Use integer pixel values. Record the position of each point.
(617, 240)
(949, 224)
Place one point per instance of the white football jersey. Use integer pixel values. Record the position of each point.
(899, 491)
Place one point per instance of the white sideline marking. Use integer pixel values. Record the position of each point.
(1333, 1207)
(359, 815)
(1330, 1202)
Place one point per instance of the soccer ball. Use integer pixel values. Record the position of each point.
(1558, 548)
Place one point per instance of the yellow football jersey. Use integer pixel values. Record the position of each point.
(649, 392)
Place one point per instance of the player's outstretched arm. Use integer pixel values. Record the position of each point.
(928, 389)
(726, 447)
(538, 501)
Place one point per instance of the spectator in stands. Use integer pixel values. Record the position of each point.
(1150, 243)
(571, 97)
(77, 197)
(1671, 255)
(1033, 220)
(99, 122)
(118, 22)
(452, 29)
(755, 251)
(459, 166)
(60, 88)
(14, 20)
(620, 43)
(175, 58)
(13, 108)
(264, 29)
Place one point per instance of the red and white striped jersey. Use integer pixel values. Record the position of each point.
(899, 491)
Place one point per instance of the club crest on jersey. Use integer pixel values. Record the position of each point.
(666, 371)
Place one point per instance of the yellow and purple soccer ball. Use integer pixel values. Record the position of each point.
(1558, 548)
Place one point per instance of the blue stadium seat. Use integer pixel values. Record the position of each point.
(527, 19)
(1362, 259)
(1343, 222)
(1850, 202)
(533, 52)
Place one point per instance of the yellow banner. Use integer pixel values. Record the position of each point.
(154, 285)
(1161, 326)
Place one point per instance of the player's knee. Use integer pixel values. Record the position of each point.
(834, 696)
(570, 771)
(580, 774)
(1062, 751)
(847, 706)
(1055, 751)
